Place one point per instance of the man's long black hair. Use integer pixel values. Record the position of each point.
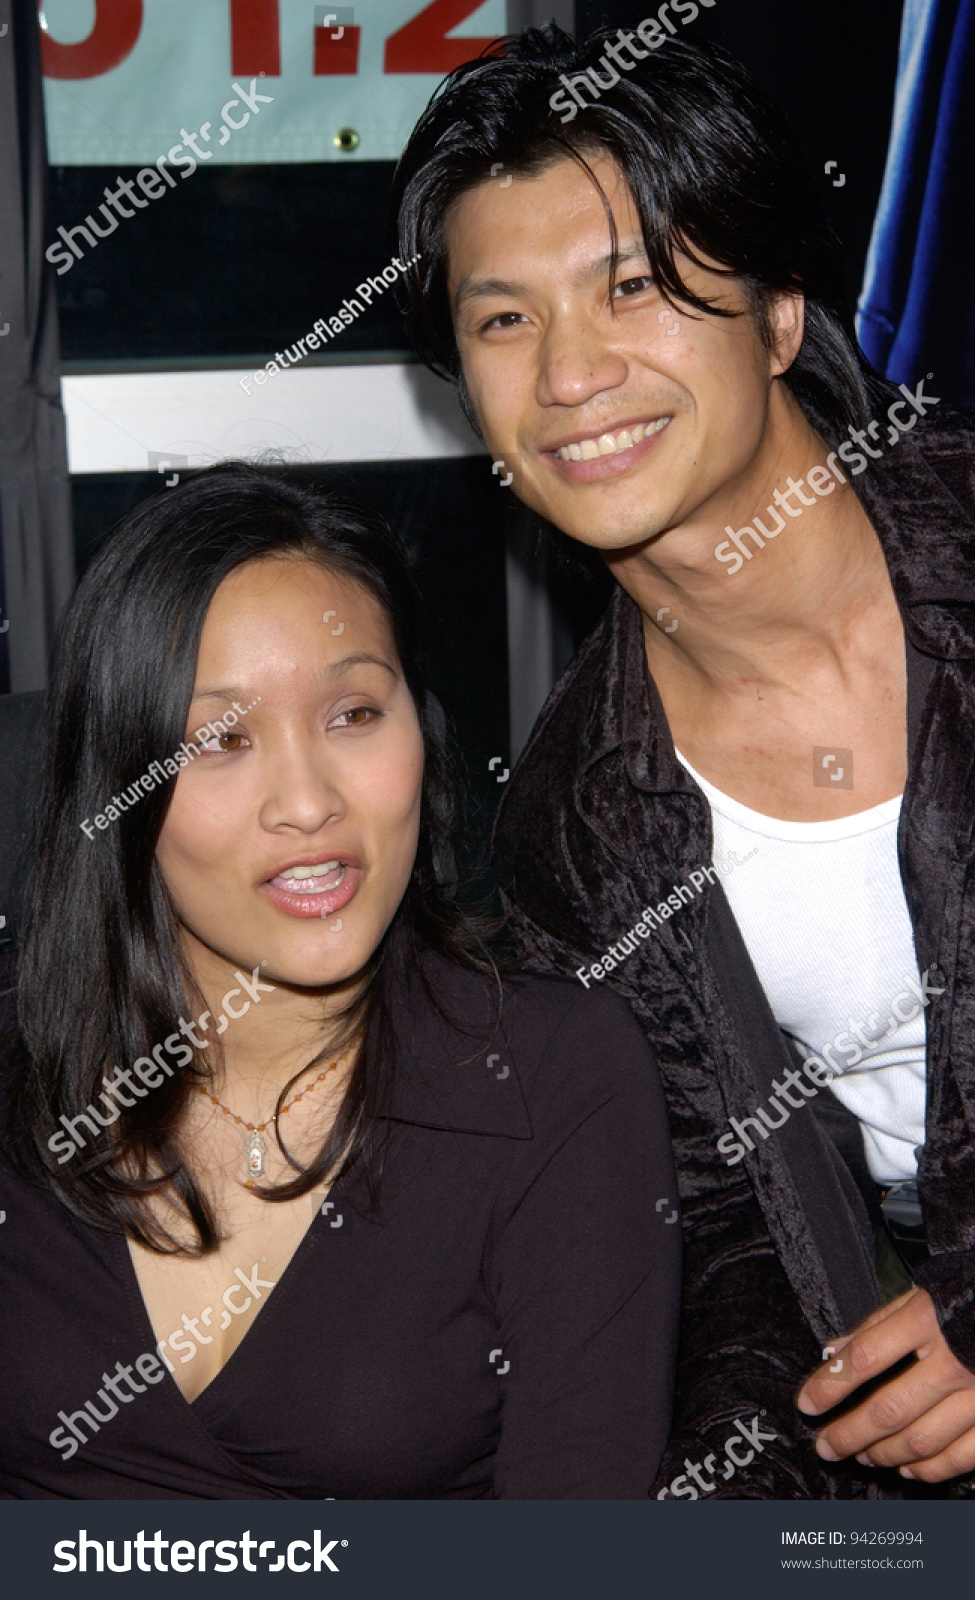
(712, 167)
(103, 978)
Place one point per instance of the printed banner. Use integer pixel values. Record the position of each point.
(126, 81)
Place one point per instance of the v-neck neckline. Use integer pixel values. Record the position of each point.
(142, 1309)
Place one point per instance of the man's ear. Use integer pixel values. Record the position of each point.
(787, 317)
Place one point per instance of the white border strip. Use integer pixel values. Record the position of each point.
(139, 421)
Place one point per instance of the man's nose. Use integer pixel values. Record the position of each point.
(576, 364)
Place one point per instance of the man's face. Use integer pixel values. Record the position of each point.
(619, 416)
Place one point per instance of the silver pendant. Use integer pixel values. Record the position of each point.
(256, 1149)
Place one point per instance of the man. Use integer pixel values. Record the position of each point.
(644, 314)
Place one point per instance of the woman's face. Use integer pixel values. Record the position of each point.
(291, 837)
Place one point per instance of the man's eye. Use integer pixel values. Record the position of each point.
(633, 286)
(504, 319)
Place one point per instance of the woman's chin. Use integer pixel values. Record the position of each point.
(340, 962)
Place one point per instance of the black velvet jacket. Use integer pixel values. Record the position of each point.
(600, 819)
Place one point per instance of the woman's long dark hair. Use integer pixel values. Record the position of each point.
(103, 977)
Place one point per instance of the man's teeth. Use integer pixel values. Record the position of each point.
(322, 870)
(611, 444)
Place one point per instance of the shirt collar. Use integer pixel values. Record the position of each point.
(456, 1066)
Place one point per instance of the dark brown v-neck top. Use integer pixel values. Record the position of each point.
(503, 1325)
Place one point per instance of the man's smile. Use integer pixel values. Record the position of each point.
(610, 444)
(594, 457)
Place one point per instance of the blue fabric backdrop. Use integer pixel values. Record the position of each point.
(917, 308)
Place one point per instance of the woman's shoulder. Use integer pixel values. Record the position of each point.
(534, 996)
(504, 1045)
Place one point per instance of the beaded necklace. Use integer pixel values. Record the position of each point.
(255, 1145)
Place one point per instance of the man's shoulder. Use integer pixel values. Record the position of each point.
(944, 442)
(569, 704)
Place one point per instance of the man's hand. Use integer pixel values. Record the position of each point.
(922, 1421)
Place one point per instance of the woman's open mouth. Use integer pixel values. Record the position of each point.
(314, 889)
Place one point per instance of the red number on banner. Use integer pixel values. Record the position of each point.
(255, 38)
(117, 26)
(421, 45)
(335, 57)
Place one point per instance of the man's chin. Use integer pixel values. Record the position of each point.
(613, 541)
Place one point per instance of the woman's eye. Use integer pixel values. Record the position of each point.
(356, 717)
(221, 744)
(633, 286)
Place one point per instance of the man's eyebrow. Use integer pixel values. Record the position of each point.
(482, 288)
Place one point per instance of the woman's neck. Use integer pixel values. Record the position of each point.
(257, 1032)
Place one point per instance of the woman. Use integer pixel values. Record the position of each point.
(303, 1199)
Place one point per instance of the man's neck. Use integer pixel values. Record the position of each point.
(797, 593)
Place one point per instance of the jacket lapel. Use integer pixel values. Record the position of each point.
(642, 804)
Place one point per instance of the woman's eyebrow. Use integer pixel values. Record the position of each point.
(328, 671)
(361, 658)
(218, 694)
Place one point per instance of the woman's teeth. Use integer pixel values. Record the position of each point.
(312, 880)
(611, 444)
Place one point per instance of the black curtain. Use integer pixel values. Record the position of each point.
(35, 506)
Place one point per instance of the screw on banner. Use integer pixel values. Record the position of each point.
(496, 761)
